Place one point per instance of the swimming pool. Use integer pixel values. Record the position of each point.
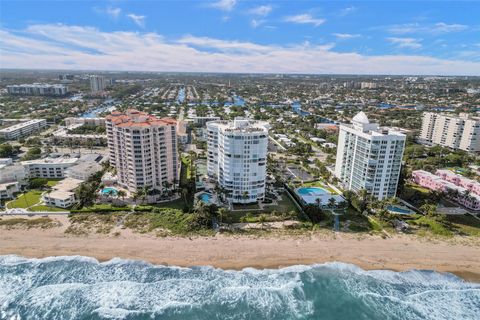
(399, 210)
(205, 197)
(312, 191)
(109, 191)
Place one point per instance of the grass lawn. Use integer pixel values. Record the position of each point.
(187, 162)
(26, 200)
(53, 182)
(283, 208)
(356, 222)
(175, 204)
(104, 207)
(418, 188)
(46, 208)
(433, 225)
(252, 206)
(465, 224)
(284, 205)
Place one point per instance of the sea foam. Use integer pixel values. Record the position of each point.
(83, 288)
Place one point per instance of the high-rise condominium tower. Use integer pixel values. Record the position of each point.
(237, 158)
(452, 131)
(143, 149)
(369, 157)
(98, 83)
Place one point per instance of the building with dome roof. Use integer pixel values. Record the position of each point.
(369, 157)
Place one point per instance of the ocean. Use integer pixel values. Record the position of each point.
(82, 288)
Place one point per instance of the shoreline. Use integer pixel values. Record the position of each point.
(235, 252)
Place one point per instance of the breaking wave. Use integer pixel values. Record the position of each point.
(83, 288)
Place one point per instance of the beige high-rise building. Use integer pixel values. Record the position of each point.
(143, 149)
(452, 131)
(98, 83)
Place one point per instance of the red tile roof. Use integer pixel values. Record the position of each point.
(127, 119)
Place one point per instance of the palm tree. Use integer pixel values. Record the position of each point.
(245, 196)
(318, 202)
(184, 195)
(394, 201)
(145, 193)
(332, 202)
(222, 212)
(121, 194)
(262, 219)
(429, 209)
(135, 196)
(363, 193)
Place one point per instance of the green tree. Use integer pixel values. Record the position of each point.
(6, 150)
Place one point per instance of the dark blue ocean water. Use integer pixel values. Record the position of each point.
(83, 288)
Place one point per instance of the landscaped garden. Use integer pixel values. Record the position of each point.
(26, 200)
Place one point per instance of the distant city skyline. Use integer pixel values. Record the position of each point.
(305, 37)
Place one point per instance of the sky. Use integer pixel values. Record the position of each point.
(315, 37)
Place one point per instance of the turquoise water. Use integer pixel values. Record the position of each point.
(106, 191)
(83, 288)
(312, 191)
(399, 210)
(205, 197)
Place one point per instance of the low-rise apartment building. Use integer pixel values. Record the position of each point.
(22, 129)
(38, 89)
(48, 168)
(455, 187)
(63, 194)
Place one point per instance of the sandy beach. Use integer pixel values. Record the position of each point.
(398, 252)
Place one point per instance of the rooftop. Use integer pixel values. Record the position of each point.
(241, 125)
(135, 118)
(22, 125)
(51, 160)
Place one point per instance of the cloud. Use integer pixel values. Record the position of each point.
(442, 27)
(255, 23)
(437, 28)
(223, 45)
(225, 5)
(88, 48)
(113, 12)
(346, 35)
(409, 43)
(305, 19)
(348, 10)
(139, 20)
(262, 11)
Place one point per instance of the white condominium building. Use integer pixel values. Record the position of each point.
(237, 158)
(369, 157)
(49, 168)
(22, 129)
(94, 122)
(452, 131)
(143, 149)
(38, 89)
(98, 83)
